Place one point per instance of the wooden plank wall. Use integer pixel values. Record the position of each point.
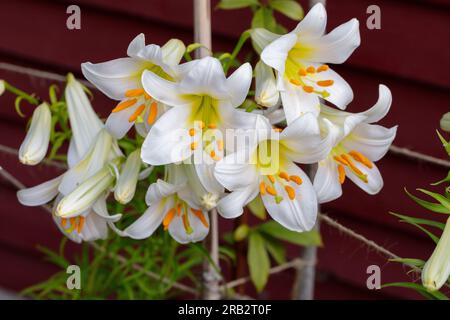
(409, 54)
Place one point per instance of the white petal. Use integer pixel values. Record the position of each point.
(101, 210)
(40, 194)
(72, 154)
(303, 141)
(261, 38)
(234, 172)
(266, 93)
(275, 54)
(236, 118)
(346, 121)
(326, 181)
(114, 77)
(95, 228)
(297, 102)
(162, 90)
(137, 44)
(173, 51)
(313, 24)
(371, 140)
(299, 214)
(239, 83)
(128, 179)
(205, 173)
(381, 108)
(340, 93)
(338, 45)
(208, 78)
(159, 190)
(117, 123)
(199, 231)
(232, 205)
(375, 180)
(168, 141)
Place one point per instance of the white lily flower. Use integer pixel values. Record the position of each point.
(87, 193)
(436, 271)
(174, 205)
(35, 146)
(120, 79)
(84, 122)
(357, 145)
(300, 58)
(129, 176)
(268, 168)
(266, 93)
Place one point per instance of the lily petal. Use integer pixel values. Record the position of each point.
(40, 194)
(374, 178)
(136, 45)
(381, 107)
(233, 172)
(239, 83)
(276, 53)
(326, 181)
(313, 24)
(173, 51)
(232, 205)
(162, 90)
(117, 123)
(199, 230)
(261, 38)
(297, 102)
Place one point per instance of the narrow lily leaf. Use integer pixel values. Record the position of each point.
(264, 18)
(256, 206)
(274, 229)
(419, 288)
(440, 198)
(420, 221)
(276, 249)
(435, 207)
(446, 179)
(258, 260)
(445, 143)
(410, 261)
(236, 4)
(289, 8)
(228, 252)
(432, 236)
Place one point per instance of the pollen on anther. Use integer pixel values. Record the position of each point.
(308, 89)
(152, 113)
(322, 68)
(311, 69)
(262, 188)
(325, 83)
(284, 175)
(296, 179)
(302, 72)
(134, 93)
(194, 145)
(290, 191)
(192, 132)
(270, 190)
(271, 178)
(124, 105)
(81, 221)
(212, 126)
(137, 113)
(295, 82)
(341, 171)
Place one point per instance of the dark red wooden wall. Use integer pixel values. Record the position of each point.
(410, 54)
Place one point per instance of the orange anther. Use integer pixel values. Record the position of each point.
(308, 89)
(290, 191)
(147, 96)
(200, 216)
(358, 156)
(212, 126)
(136, 113)
(302, 72)
(325, 83)
(262, 188)
(63, 222)
(124, 105)
(322, 68)
(295, 82)
(152, 113)
(134, 93)
(168, 218)
(351, 164)
(81, 221)
(271, 178)
(220, 144)
(284, 175)
(311, 69)
(194, 145)
(296, 179)
(192, 132)
(270, 190)
(341, 171)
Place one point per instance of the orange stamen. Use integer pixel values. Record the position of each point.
(168, 218)
(322, 68)
(192, 132)
(270, 190)
(220, 144)
(325, 83)
(212, 154)
(341, 160)
(358, 156)
(262, 188)
(352, 165)
(311, 69)
(295, 82)
(73, 222)
(81, 221)
(179, 209)
(302, 72)
(212, 126)
(200, 216)
(137, 113)
(271, 178)
(194, 145)
(308, 89)
(290, 191)
(284, 175)
(341, 171)
(152, 113)
(147, 96)
(134, 93)
(124, 105)
(296, 179)
(63, 222)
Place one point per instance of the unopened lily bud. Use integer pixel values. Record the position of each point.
(35, 145)
(445, 122)
(2, 86)
(126, 185)
(436, 271)
(87, 192)
(266, 93)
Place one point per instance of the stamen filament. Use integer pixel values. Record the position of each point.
(137, 113)
(152, 113)
(200, 216)
(341, 171)
(134, 93)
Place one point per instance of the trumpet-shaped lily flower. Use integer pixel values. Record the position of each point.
(436, 271)
(300, 59)
(357, 145)
(35, 145)
(120, 79)
(268, 168)
(129, 176)
(174, 205)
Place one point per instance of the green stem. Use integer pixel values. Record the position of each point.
(20, 93)
(244, 37)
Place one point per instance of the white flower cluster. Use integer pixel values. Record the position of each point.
(216, 155)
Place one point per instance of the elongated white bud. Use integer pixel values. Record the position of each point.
(2, 86)
(126, 185)
(84, 196)
(445, 122)
(266, 93)
(437, 269)
(35, 145)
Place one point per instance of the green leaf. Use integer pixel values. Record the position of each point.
(444, 142)
(236, 4)
(439, 197)
(241, 232)
(412, 221)
(421, 221)
(410, 261)
(419, 288)
(446, 179)
(264, 18)
(258, 260)
(435, 207)
(256, 206)
(276, 249)
(274, 229)
(289, 8)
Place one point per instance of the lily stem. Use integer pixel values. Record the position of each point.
(31, 99)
